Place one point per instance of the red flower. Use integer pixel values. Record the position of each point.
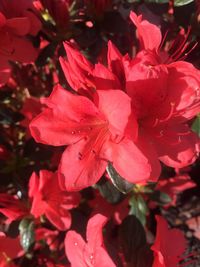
(174, 186)
(169, 245)
(117, 211)
(77, 69)
(165, 96)
(58, 10)
(31, 108)
(12, 207)
(9, 249)
(50, 200)
(92, 253)
(97, 133)
(83, 76)
(16, 22)
(172, 99)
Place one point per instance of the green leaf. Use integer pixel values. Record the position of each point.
(196, 125)
(119, 182)
(177, 3)
(161, 197)
(132, 237)
(109, 191)
(138, 207)
(182, 2)
(27, 233)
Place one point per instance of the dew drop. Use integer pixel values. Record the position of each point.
(73, 132)
(76, 244)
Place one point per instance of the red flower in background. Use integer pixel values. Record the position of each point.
(49, 199)
(96, 132)
(17, 20)
(58, 10)
(91, 253)
(9, 249)
(174, 186)
(12, 207)
(169, 245)
(117, 211)
(31, 108)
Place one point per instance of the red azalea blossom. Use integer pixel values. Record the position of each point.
(91, 253)
(50, 200)
(58, 10)
(31, 108)
(169, 245)
(9, 249)
(12, 207)
(96, 132)
(172, 100)
(118, 211)
(174, 186)
(16, 22)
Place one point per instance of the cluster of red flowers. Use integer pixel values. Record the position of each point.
(109, 127)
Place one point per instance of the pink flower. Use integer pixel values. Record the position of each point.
(49, 199)
(95, 132)
(169, 245)
(91, 253)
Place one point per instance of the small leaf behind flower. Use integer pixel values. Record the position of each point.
(27, 233)
(196, 125)
(119, 182)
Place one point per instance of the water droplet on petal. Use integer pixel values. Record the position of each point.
(76, 244)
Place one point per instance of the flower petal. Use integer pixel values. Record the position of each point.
(129, 161)
(149, 34)
(116, 106)
(74, 248)
(75, 173)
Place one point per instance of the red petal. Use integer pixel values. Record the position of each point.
(102, 258)
(74, 249)
(61, 222)
(18, 26)
(33, 185)
(129, 161)
(176, 146)
(149, 34)
(78, 173)
(162, 245)
(94, 231)
(115, 62)
(116, 106)
(104, 79)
